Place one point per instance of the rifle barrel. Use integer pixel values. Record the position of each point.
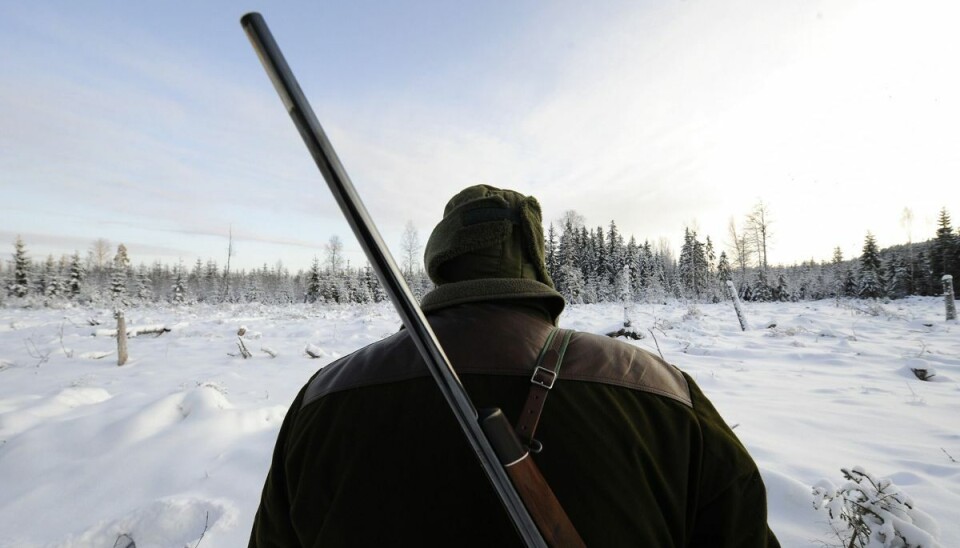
(383, 264)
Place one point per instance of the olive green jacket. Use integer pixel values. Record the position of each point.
(370, 455)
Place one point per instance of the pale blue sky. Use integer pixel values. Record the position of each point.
(154, 124)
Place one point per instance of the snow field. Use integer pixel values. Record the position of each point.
(176, 443)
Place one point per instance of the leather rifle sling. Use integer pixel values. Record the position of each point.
(544, 376)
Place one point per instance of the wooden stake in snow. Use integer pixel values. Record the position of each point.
(121, 337)
(243, 348)
(948, 297)
(736, 305)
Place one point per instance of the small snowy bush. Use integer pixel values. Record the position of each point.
(693, 313)
(870, 512)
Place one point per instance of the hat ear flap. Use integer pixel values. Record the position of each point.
(468, 227)
(532, 230)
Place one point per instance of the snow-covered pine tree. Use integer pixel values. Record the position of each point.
(314, 285)
(562, 255)
(591, 295)
(118, 283)
(161, 279)
(921, 274)
(550, 245)
(362, 292)
(632, 259)
(597, 275)
(944, 251)
(144, 294)
(693, 268)
(41, 279)
(650, 275)
(665, 267)
(897, 277)
(573, 283)
(614, 256)
(822, 288)
(118, 275)
(761, 290)
(849, 288)
(803, 280)
(723, 273)
(195, 280)
(583, 256)
(253, 287)
(782, 290)
(20, 284)
(179, 291)
(685, 265)
(52, 285)
(211, 281)
(838, 273)
(870, 282)
(77, 273)
(711, 289)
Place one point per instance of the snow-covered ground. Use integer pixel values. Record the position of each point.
(176, 443)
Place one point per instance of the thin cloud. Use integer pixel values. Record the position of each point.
(81, 245)
(652, 116)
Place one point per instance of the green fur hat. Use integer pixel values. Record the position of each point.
(489, 245)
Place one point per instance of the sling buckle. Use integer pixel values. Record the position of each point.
(544, 377)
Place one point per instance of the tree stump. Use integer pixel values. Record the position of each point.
(948, 297)
(736, 305)
(121, 337)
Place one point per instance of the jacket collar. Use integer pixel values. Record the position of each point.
(522, 291)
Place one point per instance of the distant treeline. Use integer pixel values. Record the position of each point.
(587, 266)
(596, 265)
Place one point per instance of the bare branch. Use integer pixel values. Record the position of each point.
(656, 343)
(35, 352)
(206, 525)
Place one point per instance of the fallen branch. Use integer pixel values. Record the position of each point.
(134, 331)
(243, 348)
(626, 333)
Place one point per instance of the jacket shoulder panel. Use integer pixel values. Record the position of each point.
(366, 367)
(496, 343)
(596, 358)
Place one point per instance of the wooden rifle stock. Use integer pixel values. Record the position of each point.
(550, 517)
(534, 510)
(539, 498)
